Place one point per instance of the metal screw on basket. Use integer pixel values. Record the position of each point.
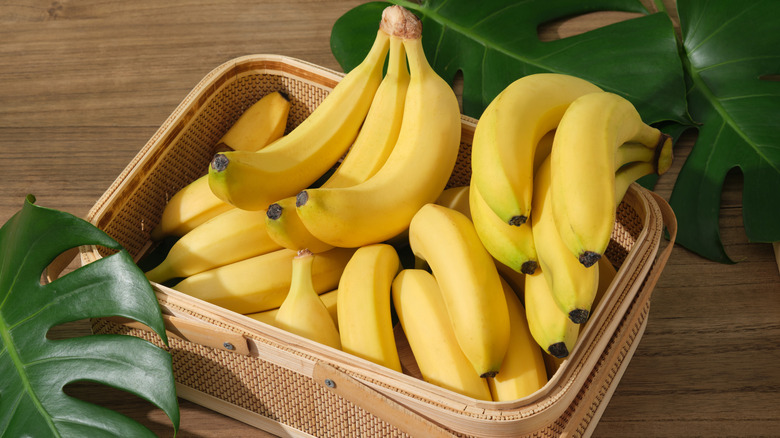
(228, 346)
(330, 383)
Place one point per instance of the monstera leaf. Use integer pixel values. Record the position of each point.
(732, 56)
(724, 73)
(496, 42)
(36, 369)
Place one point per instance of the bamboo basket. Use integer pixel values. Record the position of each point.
(290, 386)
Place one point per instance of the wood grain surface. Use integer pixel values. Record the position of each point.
(84, 84)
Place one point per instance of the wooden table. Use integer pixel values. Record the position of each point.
(83, 85)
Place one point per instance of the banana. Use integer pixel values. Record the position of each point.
(456, 198)
(507, 134)
(584, 164)
(415, 173)
(627, 174)
(328, 298)
(363, 307)
(523, 371)
(446, 240)
(550, 328)
(426, 324)
(261, 283)
(511, 245)
(373, 145)
(254, 180)
(229, 237)
(260, 125)
(573, 285)
(302, 311)
(286, 229)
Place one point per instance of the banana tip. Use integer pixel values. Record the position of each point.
(517, 220)
(301, 198)
(558, 350)
(220, 162)
(489, 374)
(274, 211)
(589, 258)
(529, 267)
(579, 316)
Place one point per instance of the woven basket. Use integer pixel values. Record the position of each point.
(288, 385)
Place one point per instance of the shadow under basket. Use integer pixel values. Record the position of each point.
(290, 386)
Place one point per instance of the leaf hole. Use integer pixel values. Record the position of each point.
(578, 24)
(66, 262)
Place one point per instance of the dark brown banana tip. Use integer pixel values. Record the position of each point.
(518, 220)
(274, 211)
(558, 350)
(489, 374)
(589, 258)
(284, 95)
(220, 162)
(301, 198)
(579, 316)
(529, 267)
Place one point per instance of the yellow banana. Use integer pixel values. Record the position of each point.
(302, 311)
(426, 324)
(550, 328)
(523, 371)
(507, 134)
(254, 180)
(229, 237)
(573, 285)
(511, 245)
(627, 174)
(415, 173)
(286, 229)
(456, 198)
(372, 146)
(446, 240)
(260, 125)
(364, 301)
(261, 283)
(328, 298)
(584, 164)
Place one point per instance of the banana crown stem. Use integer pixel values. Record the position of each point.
(399, 21)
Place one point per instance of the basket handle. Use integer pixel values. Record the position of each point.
(384, 408)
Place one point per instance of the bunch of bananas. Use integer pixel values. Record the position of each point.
(304, 230)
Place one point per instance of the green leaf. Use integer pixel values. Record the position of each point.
(730, 50)
(496, 42)
(35, 369)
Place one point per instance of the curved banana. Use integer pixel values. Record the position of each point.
(302, 311)
(426, 324)
(584, 164)
(507, 134)
(328, 298)
(511, 245)
(573, 285)
(415, 173)
(363, 306)
(471, 286)
(260, 125)
(550, 328)
(253, 180)
(627, 174)
(261, 283)
(456, 198)
(373, 145)
(286, 229)
(523, 371)
(229, 237)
